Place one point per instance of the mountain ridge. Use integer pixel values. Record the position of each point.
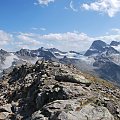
(98, 53)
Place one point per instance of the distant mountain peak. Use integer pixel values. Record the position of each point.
(114, 43)
(98, 47)
(3, 52)
(55, 50)
(42, 49)
(98, 44)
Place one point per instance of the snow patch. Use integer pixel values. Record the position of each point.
(0, 71)
(116, 47)
(68, 55)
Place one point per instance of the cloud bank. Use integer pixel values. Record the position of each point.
(77, 41)
(110, 7)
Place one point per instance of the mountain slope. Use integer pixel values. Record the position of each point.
(53, 91)
(107, 69)
(115, 45)
(106, 60)
(6, 59)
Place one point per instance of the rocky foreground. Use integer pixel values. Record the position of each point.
(53, 91)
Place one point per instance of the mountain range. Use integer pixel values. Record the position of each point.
(49, 84)
(101, 59)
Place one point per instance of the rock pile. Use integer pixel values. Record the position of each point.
(53, 91)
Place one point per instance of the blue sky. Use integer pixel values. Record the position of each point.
(65, 24)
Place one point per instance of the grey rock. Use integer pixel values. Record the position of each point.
(59, 110)
(38, 116)
(74, 78)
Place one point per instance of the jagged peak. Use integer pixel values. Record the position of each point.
(98, 44)
(115, 43)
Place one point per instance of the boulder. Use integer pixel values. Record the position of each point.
(6, 108)
(5, 115)
(74, 78)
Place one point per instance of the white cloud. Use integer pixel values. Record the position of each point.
(116, 30)
(5, 38)
(44, 2)
(109, 38)
(28, 38)
(34, 28)
(69, 40)
(68, 36)
(66, 8)
(64, 41)
(72, 7)
(110, 7)
(43, 29)
(81, 41)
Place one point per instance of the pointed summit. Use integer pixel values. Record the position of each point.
(99, 47)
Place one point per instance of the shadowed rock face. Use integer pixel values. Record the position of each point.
(46, 54)
(97, 46)
(3, 52)
(53, 91)
(114, 43)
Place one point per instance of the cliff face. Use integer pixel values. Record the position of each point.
(53, 91)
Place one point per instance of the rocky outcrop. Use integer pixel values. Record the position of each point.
(3, 55)
(52, 91)
(73, 110)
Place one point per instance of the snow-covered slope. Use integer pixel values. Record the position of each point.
(9, 60)
(115, 45)
(87, 60)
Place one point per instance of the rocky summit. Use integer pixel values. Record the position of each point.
(49, 90)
